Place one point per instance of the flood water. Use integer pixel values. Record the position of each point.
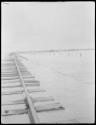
(69, 77)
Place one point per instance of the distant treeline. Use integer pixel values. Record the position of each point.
(52, 50)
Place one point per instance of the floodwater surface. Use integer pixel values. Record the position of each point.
(69, 77)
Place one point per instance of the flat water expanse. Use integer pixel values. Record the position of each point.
(69, 77)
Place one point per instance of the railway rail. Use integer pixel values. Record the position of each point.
(23, 100)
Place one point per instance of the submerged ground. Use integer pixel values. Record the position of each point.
(69, 77)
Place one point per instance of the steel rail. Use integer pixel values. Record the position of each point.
(31, 112)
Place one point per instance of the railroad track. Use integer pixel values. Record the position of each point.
(23, 100)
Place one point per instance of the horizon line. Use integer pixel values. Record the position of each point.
(54, 50)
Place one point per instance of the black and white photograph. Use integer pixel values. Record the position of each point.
(48, 62)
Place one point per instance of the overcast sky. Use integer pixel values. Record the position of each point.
(57, 25)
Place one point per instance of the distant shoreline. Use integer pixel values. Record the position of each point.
(5, 54)
(61, 50)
